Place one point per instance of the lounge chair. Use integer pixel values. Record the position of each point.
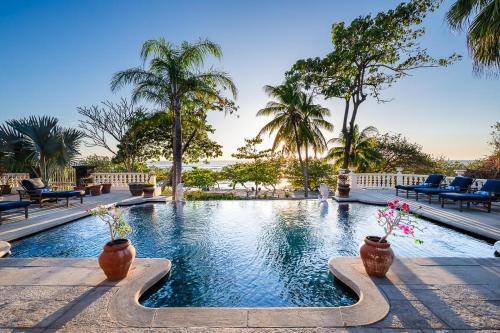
(458, 185)
(430, 182)
(9, 205)
(488, 193)
(38, 192)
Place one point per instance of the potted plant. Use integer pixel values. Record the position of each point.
(106, 187)
(375, 251)
(136, 189)
(119, 253)
(149, 190)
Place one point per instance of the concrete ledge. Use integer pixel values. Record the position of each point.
(126, 309)
(372, 305)
(4, 248)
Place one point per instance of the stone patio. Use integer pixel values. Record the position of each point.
(425, 294)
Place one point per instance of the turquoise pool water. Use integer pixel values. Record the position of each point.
(247, 253)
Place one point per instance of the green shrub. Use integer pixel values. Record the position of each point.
(201, 195)
(167, 191)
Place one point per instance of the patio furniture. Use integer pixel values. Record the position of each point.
(488, 193)
(430, 182)
(9, 205)
(458, 185)
(38, 192)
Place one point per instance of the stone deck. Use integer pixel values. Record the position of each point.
(474, 220)
(425, 294)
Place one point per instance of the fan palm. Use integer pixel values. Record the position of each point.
(297, 122)
(364, 151)
(483, 34)
(173, 76)
(40, 143)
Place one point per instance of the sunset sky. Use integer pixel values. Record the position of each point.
(58, 55)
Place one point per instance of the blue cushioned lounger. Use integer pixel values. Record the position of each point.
(431, 181)
(488, 193)
(458, 185)
(9, 205)
(40, 193)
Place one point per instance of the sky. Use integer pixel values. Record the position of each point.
(58, 55)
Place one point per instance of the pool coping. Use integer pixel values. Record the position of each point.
(371, 307)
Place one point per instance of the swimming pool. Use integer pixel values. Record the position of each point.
(247, 253)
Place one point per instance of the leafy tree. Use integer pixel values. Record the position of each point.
(364, 153)
(264, 168)
(103, 163)
(40, 144)
(319, 172)
(495, 138)
(481, 17)
(397, 151)
(297, 122)
(174, 75)
(108, 124)
(150, 137)
(444, 166)
(199, 177)
(369, 55)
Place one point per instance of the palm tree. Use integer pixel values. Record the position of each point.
(483, 34)
(174, 75)
(363, 149)
(297, 122)
(40, 143)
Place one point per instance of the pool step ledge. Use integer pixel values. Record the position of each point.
(125, 308)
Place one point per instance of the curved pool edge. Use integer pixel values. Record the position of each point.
(125, 308)
(4, 248)
(372, 305)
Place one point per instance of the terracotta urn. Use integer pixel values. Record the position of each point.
(377, 257)
(106, 188)
(343, 186)
(149, 191)
(116, 258)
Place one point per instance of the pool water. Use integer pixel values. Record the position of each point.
(247, 253)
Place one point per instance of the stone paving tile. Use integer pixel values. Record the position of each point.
(409, 314)
(466, 315)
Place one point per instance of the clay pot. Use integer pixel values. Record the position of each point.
(136, 189)
(106, 188)
(95, 190)
(377, 257)
(116, 258)
(343, 186)
(149, 191)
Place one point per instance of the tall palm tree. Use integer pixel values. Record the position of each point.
(40, 143)
(483, 33)
(363, 149)
(173, 76)
(297, 122)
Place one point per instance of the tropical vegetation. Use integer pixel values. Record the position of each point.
(175, 76)
(38, 144)
(481, 19)
(298, 123)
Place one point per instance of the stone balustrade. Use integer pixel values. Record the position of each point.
(13, 179)
(389, 180)
(122, 179)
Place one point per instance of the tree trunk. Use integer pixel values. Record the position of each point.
(177, 145)
(304, 171)
(306, 177)
(345, 133)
